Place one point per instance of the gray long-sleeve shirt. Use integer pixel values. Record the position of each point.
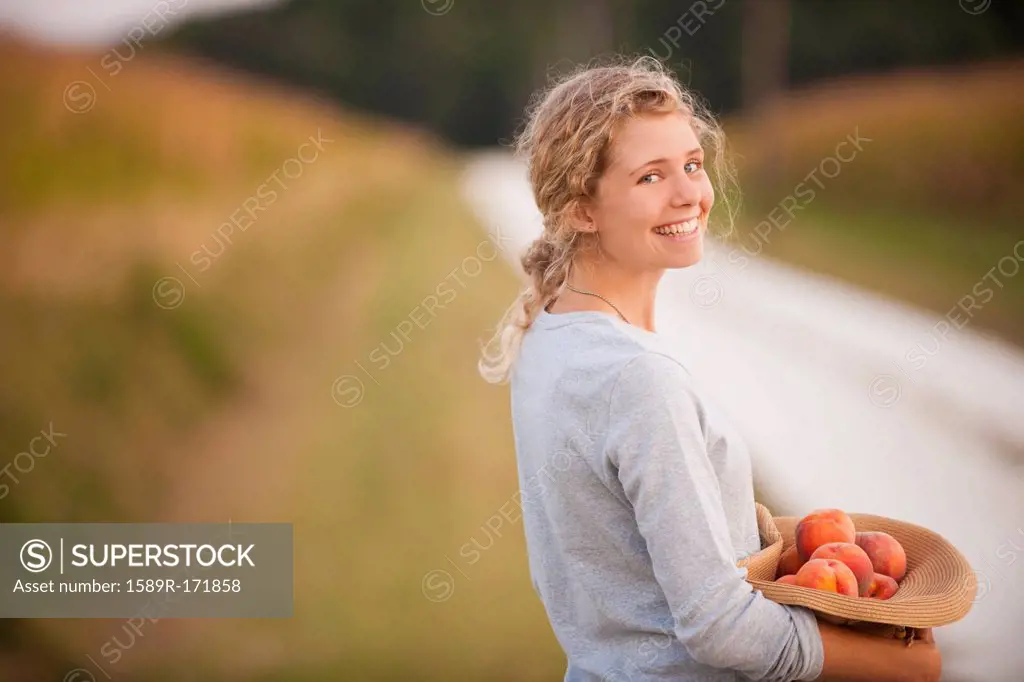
(637, 500)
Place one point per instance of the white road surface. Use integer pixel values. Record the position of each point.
(850, 400)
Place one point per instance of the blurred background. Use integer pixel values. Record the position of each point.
(248, 252)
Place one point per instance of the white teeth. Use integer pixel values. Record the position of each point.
(688, 227)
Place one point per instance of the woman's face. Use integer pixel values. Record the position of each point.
(654, 188)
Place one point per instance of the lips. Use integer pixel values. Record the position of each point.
(688, 226)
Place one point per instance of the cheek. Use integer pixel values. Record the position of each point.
(635, 207)
(648, 203)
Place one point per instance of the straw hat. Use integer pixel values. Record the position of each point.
(938, 589)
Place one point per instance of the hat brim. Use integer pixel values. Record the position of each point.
(939, 587)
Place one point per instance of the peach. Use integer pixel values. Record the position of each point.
(886, 553)
(821, 526)
(828, 575)
(789, 579)
(882, 587)
(855, 558)
(790, 562)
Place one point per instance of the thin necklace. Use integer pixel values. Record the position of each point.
(591, 293)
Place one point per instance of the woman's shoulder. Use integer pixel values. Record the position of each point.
(652, 380)
(587, 337)
(593, 356)
(655, 368)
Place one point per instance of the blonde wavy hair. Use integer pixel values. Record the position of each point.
(568, 133)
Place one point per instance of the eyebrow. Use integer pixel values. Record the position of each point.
(692, 152)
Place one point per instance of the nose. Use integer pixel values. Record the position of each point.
(685, 191)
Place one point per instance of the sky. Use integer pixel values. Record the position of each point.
(103, 22)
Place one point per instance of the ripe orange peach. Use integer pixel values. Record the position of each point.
(828, 575)
(855, 558)
(882, 587)
(789, 579)
(886, 553)
(790, 562)
(821, 526)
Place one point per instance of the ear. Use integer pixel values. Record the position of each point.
(581, 214)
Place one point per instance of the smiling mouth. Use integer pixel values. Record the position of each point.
(686, 227)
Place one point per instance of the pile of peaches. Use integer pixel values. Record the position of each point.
(829, 554)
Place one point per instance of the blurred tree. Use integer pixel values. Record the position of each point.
(765, 50)
(467, 72)
(584, 28)
(765, 57)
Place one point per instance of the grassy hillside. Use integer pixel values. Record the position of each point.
(927, 208)
(222, 406)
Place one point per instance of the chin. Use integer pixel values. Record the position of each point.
(688, 259)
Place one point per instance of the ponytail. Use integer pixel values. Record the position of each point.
(546, 264)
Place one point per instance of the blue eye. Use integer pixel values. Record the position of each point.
(694, 163)
(649, 175)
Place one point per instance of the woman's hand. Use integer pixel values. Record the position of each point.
(924, 635)
(931, 659)
(853, 656)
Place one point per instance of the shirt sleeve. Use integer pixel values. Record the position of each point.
(656, 442)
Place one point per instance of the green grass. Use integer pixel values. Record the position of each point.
(383, 491)
(379, 494)
(391, 486)
(922, 207)
(112, 381)
(92, 161)
(929, 261)
(119, 151)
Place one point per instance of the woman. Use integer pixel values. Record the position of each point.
(637, 494)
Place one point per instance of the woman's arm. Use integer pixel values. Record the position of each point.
(657, 447)
(852, 656)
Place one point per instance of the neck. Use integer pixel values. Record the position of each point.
(632, 292)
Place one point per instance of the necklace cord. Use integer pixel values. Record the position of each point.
(591, 293)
